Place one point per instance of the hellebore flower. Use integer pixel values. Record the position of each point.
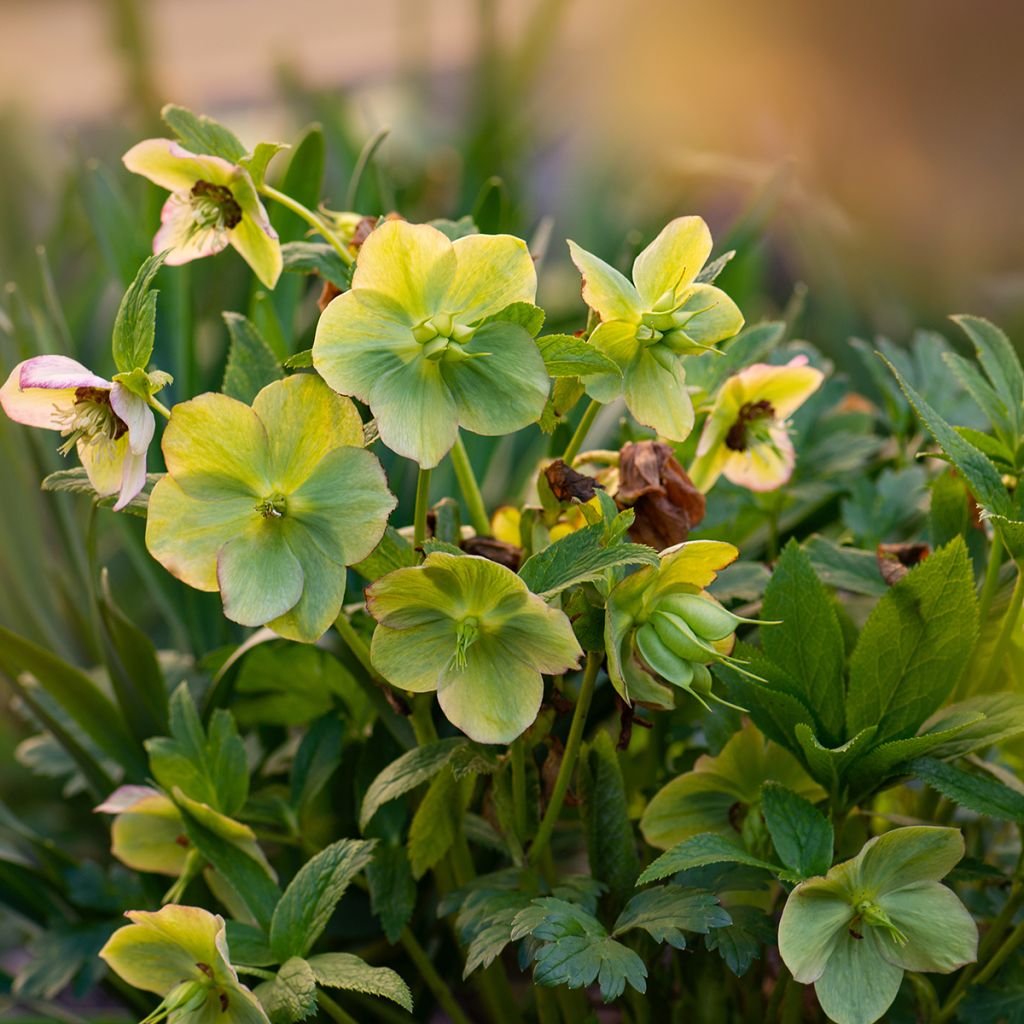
(181, 953)
(855, 931)
(268, 504)
(110, 426)
(471, 630)
(745, 436)
(649, 325)
(661, 624)
(413, 339)
(213, 203)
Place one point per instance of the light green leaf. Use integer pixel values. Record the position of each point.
(393, 552)
(1002, 719)
(202, 134)
(76, 481)
(317, 258)
(845, 568)
(801, 834)
(697, 851)
(525, 314)
(666, 911)
(251, 364)
(291, 996)
(569, 356)
(979, 793)
(345, 971)
(135, 323)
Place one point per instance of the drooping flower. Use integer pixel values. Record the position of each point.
(269, 504)
(855, 931)
(181, 953)
(471, 630)
(413, 339)
(745, 437)
(213, 204)
(648, 325)
(110, 426)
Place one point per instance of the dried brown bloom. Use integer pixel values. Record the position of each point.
(656, 487)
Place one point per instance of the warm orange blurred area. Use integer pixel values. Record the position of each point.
(894, 128)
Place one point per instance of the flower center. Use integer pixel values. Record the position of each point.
(90, 419)
(181, 1001)
(443, 338)
(213, 207)
(466, 633)
(752, 426)
(273, 506)
(872, 914)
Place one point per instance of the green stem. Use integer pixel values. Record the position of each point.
(571, 752)
(517, 753)
(419, 522)
(771, 1014)
(334, 1011)
(1001, 955)
(572, 449)
(547, 1005)
(159, 407)
(470, 489)
(437, 985)
(1005, 636)
(313, 220)
(988, 588)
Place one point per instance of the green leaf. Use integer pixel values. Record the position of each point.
(474, 759)
(79, 697)
(666, 911)
(135, 323)
(202, 134)
(579, 557)
(706, 848)
(300, 360)
(979, 793)
(317, 258)
(76, 481)
(1001, 364)
(714, 268)
(436, 822)
(753, 344)
(914, 645)
(845, 568)
(316, 760)
(739, 943)
(291, 996)
(568, 356)
(345, 971)
(1002, 719)
(455, 229)
(392, 889)
(808, 645)
(828, 765)
(802, 836)
(1003, 1003)
(393, 552)
(611, 846)
(310, 899)
(251, 364)
(525, 314)
(248, 945)
(257, 163)
(405, 773)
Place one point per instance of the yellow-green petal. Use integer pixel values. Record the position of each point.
(258, 576)
(414, 659)
(671, 262)
(812, 923)
(254, 237)
(606, 291)
(491, 272)
(617, 340)
(657, 397)
(147, 832)
(694, 563)
(904, 856)
(858, 985)
(168, 164)
(541, 637)
(941, 934)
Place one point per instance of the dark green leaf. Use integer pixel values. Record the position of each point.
(801, 834)
(317, 258)
(845, 568)
(393, 552)
(248, 945)
(739, 943)
(316, 760)
(666, 911)
(135, 323)
(695, 852)
(202, 134)
(392, 889)
(251, 364)
(76, 481)
(569, 356)
(436, 822)
(1001, 364)
(979, 793)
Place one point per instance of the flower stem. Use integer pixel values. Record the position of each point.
(572, 749)
(988, 588)
(313, 220)
(441, 992)
(572, 449)
(334, 1011)
(159, 406)
(1010, 620)
(419, 522)
(470, 489)
(517, 753)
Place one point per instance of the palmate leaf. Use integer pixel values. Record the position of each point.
(666, 911)
(802, 836)
(740, 942)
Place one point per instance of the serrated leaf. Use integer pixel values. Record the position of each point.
(345, 971)
(201, 134)
(579, 557)
(392, 889)
(666, 911)
(568, 356)
(914, 645)
(317, 258)
(845, 568)
(310, 899)
(76, 481)
(802, 835)
(828, 765)
(714, 268)
(316, 760)
(251, 364)
(739, 943)
(474, 759)
(455, 229)
(135, 323)
(979, 793)
(406, 773)
(484, 923)
(1001, 364)
(291, 996)
(524, 314)
(1002, 719)
(300, 360)
(695, 852)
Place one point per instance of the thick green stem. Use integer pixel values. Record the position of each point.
(517, 754)
(313, 220)
(572, 449)
(419, 522)
(569, 755)
(159, 407)
(470, 489)
(988, 588)
(334, 1011)
(1010, 620)
(547, 1005)
(437, 985)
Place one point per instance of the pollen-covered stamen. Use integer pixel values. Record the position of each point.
(752, 426)
(213, 206)
(90, 419)
(273, 506)
(466, 633)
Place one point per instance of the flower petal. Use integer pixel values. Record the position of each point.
(694, 563)
(304, 420)
(785, 387)
(58, 372)
(184, 533)
(145, 836)
(412, 264)
(813, 922)
(762, 467)
(258, 576)
(540, 636)
(657, 397)
(672, 260)
(37, 407)
(858, 985)
(413, 659)
(168, 164)
(253, 236)
(136, 416)
(708, 466)
(904, 856)
(617, 340)
(715, 316)
(491, 272)
(941, 934)
(607, 292)
(104, 462)
(133, 478)
(504, 390)
(177, 233)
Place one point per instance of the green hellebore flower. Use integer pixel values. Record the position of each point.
(650, 324)
(181, 953)
(268, 504)
(471, 630)
(854, 932)
(409, 338)
(213, 204)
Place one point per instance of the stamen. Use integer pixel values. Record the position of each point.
(215, 205)
(750, 415)
(466, 634)
(273, 506)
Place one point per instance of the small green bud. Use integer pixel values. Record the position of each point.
(709, 620)
(658, 322)
(443, 324)
(666, 303)
(647, 335)
(701, 680)
(435, 348)
(462, 334)
(424, 332)
(668, 665)
(677, 635)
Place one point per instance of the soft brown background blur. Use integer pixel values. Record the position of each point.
(902, 119)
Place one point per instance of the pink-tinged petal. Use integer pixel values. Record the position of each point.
(785, 387)
(133, 477)
(39, 407)
(168, 164)
(177, 233)
(103, 460)
(763, 467)
(136, 416)
(58, 372)
(124, 798)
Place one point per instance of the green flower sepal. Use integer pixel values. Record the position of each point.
(471, 630)
(269, 504)
(181, 954)
(650, 324)
(855, 931)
